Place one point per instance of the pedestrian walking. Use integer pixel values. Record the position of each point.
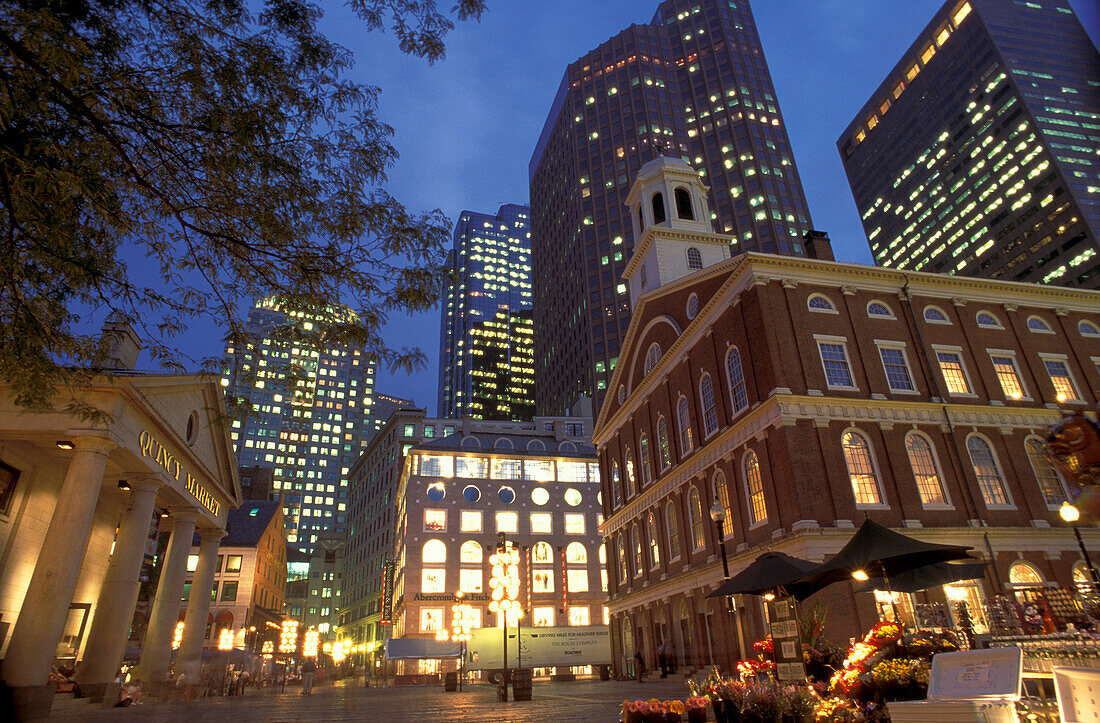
(638, 665)
(309, 669)
(662, 658)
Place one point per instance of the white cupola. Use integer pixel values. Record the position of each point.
(673, 237)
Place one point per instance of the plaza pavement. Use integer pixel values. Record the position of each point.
(589, 701)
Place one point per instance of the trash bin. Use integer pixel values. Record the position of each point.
(450, 682)
(521, 684)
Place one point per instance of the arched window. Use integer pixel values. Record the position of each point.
(693, 306)
(643, 452)
(616, 492)
(672, 526)
(1082, 579)
(1087, 328)
(658, 208)
(643, 275)
(503, 443)
(1035, 323)
(694, 258)
(1050, 482)
(735, 377)
(433, 552)
(722, 494)
(576, 554)
(470, 552)
(706, 401)
(631, 482)
(695, 516)
(683, 204)
(879, 310)
(1024, 574)
(636, 540)
(683, 421)
(986, 320)
(820, 303)
(754, 488)
(990, 480)
(861, 468)
(662, 444)
(652, 356)
(536, 444)
(641, 219)
(925, 470)
(542, 554)
(603, 554)
(935, 315)
(623, 573)
(654, 547)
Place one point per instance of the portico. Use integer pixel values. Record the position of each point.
(79, 506)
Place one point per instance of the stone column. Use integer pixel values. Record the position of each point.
(45, 607)
(114, 611)
(189, 656)
(157, 650)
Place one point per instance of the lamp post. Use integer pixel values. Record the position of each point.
(460, 632)
(288, 643)
(225, 644)
(504, 584)
(718, 516)
(1071, 514)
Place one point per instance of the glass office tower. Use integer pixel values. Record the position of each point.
(309, 425)
(980, 152)
(486, 367)
(693, 84)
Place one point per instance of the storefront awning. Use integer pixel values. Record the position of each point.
(418, 648)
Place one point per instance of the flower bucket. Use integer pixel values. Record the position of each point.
(697, 715)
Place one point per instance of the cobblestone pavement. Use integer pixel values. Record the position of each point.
(590, 701)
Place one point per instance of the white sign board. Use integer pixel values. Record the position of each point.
(539, 647)
(976, 675)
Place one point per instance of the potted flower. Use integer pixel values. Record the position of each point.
(696, 707)
(632, 711)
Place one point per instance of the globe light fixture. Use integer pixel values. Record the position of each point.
(1069, 512)
(177, 636)
(225, 639)
(861, 575)
(309, 643)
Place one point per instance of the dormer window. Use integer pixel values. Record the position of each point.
(694, 258)
(658, 208)
(683, 204)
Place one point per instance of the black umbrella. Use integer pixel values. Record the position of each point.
(878, 550)
(766, 573)
(922, 578)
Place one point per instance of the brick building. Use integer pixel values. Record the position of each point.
(806, 394)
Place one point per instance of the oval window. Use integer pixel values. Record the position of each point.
(471, 493)
(540, 496)
(572, 497)
(507, 495)
(436, 492)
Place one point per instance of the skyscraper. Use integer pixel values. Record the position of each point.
(980, 152)
(309, 425)
(694, 84)
(485, 348)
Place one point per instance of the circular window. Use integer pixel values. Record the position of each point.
(599, 498)
(471, 493)
(540, 496)
(572, 497)
(507, 495)
(192, 428)
(436, 492)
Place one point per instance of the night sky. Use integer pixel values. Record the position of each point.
(465, 128)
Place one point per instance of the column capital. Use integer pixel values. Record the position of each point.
(89, 443)
(212, 535)
(144, 483)
(183, 514)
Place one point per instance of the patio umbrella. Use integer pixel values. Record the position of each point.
(767, 572)
(878, 550)
(922, 578)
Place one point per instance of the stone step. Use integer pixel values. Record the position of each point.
(66, 704)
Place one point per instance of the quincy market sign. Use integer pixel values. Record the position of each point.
(152, 448)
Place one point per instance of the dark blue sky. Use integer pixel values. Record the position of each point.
(466, 127)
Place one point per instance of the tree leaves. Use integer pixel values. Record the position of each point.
(227, 146)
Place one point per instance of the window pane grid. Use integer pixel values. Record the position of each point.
(696, 512)
(897, 371)
(686, 441)
(861, 469)
(833, 357)
(736, 378)
(1008, 376)
(758, 510)
(989, 477)
(1064, 389)
(710, 413)
(927, 476)
(953, 373)
(673, 531)
(1050, 484)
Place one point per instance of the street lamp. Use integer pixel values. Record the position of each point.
(288, 643)
(462, 620)
(504, 584)
(1071, 514)
(225, 644)
(718, 516)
